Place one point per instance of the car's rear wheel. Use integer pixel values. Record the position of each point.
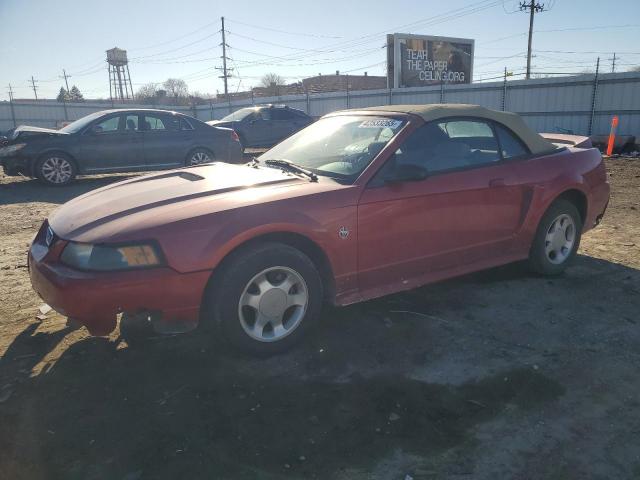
(266, 298)
(198, 156)
(557, 239)
(56, 169)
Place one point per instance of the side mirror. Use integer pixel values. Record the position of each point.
(407, 173)
(96, 129)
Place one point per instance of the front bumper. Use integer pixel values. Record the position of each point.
(94, 299)
(16, 164)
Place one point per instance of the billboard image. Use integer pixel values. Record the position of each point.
(420, 60)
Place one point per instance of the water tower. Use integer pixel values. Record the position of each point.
(119, 79)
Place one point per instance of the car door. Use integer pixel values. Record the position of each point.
(257, 128)
(465, 210)
(284, 123)
(107, 145)
(166, 145)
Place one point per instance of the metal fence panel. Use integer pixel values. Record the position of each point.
(548, 104)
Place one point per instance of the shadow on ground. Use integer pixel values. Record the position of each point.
(187, 407)
(25, 190)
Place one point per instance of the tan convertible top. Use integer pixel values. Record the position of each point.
(534, 141)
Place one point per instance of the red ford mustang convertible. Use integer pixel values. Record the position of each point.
(358, 205)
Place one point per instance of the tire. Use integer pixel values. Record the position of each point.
(57, 169)
(135, 328)
(247, 301)
(557, 239)
(198, 156)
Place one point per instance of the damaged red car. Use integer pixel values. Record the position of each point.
(360, 204)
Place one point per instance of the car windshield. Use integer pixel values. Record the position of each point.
(238, 115)
(79, 124)
(339, 147)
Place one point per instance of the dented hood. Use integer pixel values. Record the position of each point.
(154, 200)
(24, 131)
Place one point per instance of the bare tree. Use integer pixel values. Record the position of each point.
(147, 93)
(176, 88)
(272, 83)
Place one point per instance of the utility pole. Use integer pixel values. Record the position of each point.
(33, 85)
(225, 71)
(13, 112)
(613, 63)
(533, 8)
(66, 78)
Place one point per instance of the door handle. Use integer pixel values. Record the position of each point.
(497, 182)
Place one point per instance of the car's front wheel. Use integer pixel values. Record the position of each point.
(56, 169)
(266, 298)
(198, 156)
(557, 239)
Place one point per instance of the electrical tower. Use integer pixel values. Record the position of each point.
(120, 86)
(533, 7)
(225, 71)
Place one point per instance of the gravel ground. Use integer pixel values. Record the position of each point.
(499, 374)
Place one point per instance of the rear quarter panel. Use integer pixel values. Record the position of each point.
(545, 178)
(220, 142)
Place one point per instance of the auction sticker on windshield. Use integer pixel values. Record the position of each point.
(381, 123)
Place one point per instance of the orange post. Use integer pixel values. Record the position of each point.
(612, 135)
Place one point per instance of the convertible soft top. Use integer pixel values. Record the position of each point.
(436, 111)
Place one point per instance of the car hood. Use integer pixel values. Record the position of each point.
(27, 131)
(125, 209)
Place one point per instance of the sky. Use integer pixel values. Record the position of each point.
(294, 39)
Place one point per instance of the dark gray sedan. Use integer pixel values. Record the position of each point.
(264, 125)
(117, 141)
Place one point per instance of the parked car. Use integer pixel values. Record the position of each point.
(116, 141)
(358, 205)
(264, 125)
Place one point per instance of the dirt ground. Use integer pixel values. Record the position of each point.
(499, 374)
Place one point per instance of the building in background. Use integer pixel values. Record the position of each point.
(319, 84)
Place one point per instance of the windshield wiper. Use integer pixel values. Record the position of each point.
(292, 167)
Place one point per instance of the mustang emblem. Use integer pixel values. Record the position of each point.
(343, 232)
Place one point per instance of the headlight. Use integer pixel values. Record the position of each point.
(11, 149)
(85, 256)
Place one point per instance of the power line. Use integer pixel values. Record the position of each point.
(177, 48)
(313, 35)
(167, 42)
(533, 8)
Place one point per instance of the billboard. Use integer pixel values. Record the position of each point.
(421, 60)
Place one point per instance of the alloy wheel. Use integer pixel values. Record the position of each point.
(560, 239)
(199, 157)
(56, 170)
(273, 304)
